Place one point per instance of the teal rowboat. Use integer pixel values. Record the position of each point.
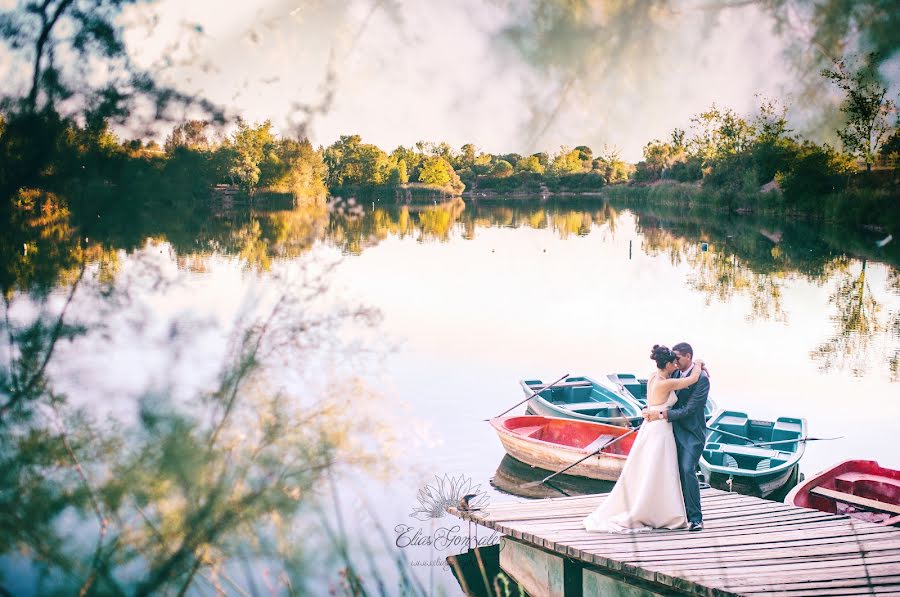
(584, 399)
(628, 383)
(752, 457)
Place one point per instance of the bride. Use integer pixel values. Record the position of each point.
(648, 492)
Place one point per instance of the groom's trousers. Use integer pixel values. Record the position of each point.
(689, 449)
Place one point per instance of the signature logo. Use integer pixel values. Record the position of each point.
(446, 491)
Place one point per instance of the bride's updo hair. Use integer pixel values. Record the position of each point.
(662, 355)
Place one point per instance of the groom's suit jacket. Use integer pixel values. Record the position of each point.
(688, 416)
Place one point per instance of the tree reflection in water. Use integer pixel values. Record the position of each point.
(860, 335)
(728, 258)
(179, 493)
(753, 262)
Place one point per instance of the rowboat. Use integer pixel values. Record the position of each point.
(630, 385)
(858, 488)
(553, 444)
(750, 456)
(583, 399)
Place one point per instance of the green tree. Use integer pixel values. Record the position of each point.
(352, 162)
(412, 159)
(718, 133)
(865, 107)
(610, 165)
(659, 157)
(466, 157)
(585, 154)
(773, 150)
(890, 149)
(251, 145)
(502, 169)
(296, 167)
(814, 171)
(770, 125)
(189, 135)
(399, 175)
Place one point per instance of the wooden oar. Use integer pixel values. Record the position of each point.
(781, 441)
(594, 453)
(799, 439)
(536, 392)
(746, 439)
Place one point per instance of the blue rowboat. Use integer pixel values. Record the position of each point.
(750, 456)
(584, 399)
(629, 384)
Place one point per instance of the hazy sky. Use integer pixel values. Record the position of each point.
(399, 71)
(443, 71)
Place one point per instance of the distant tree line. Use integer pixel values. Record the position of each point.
(737, 156)
(725, 152)
(354, 164)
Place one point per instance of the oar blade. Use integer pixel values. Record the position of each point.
(550, 385)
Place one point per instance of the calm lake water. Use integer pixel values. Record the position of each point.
(792, 319)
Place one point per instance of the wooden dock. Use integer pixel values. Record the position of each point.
(750, 546)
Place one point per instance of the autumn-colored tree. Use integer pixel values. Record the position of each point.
(435, 171)
(566, 162)
(530, 164)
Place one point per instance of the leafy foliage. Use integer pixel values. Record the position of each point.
(868, 112)
(63, 40)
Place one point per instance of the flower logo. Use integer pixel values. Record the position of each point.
(446, 491)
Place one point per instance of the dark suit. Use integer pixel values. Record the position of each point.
(688, 418)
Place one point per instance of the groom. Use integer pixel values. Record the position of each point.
(688, 418)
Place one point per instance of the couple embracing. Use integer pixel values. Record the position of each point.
(658, 487)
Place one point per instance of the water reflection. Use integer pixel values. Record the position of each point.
(728, 257)
(479, 574)
(183, 492)
(190, 487)
(517, 478)
(857, 325)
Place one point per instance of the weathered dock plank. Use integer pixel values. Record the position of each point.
(749, 546)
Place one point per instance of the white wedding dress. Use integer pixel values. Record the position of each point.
(648, 493)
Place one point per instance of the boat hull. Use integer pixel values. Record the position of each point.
(861, 478)
(762, 487)
(527, 448)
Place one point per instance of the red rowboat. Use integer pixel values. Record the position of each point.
(859, 488)
(553, 444)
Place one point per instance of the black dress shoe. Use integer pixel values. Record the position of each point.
(696, 526)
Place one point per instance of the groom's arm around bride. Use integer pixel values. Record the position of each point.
(695, 403)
